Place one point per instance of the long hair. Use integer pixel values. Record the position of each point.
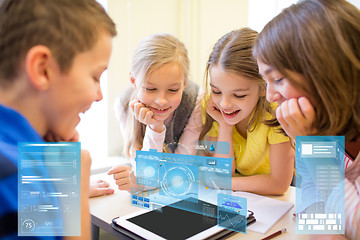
(151, 53)
(320, 40)
(233, 53)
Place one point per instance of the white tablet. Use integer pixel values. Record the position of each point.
(171, 223)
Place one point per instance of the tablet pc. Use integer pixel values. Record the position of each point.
(172, 223)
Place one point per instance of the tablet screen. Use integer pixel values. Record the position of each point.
(174, 223)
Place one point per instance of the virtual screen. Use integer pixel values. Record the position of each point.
(320, 189)
(184, 181)
(181, 177)
(49, 189)
(232, 212)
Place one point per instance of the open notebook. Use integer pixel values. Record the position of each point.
(267, 210)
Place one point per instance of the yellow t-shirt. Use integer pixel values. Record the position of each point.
(252, 154)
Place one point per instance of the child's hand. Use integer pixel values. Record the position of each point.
(297, 117)
(145, 115)
(124, 177)
(99, 188)
(215, 113)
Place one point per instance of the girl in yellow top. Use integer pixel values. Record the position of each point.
(237, 112)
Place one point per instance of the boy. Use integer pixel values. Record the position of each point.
(52, 54)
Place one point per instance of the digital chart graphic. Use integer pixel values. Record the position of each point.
(49, 189)
(320, 186)
(232, 212)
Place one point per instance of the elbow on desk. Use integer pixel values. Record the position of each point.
(281, 189)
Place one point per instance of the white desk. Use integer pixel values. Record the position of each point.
(103, 209)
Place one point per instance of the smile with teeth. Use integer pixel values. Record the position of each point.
(231, 114)
(159, 110)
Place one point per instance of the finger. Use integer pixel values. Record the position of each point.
(118, 169)
(280, 118)
(100, 192)
(132, 103)
(148, 118)
(142, 113)
(122, 181)
(307, 109)
(102, 184)
(285, 112)
(295, 113)
(120, 175)
(125, 187)
(137, 108)
(105, 191)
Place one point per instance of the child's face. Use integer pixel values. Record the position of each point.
(279, 88)
(73, 92)
(235, 96)
(162, 90)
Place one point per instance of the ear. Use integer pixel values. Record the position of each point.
(262, 91)
(36, 66)
(132, 80)
(185, 83)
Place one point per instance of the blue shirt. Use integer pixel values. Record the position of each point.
(14, 128)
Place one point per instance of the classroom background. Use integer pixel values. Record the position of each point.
(197, 23)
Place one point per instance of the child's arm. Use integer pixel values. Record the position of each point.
(190, 136)
(282, 158)
(85, 210)
(225, 133)
(155, 130)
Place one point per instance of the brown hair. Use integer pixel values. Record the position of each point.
(320, 40)
(233, 52)
(67, 27)
(150, 54)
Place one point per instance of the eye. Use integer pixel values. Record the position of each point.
(174, 90)
(215, 92)
(150, 89)
(278, 80)
(240, 96)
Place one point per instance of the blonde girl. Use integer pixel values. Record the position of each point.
(162, 108)
(238, 113)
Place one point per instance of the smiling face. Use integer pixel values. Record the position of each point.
(162, 91)
(234, 95)
(278, 87)
(73, 92)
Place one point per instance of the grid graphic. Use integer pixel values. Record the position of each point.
(320, 189)
(49, 178)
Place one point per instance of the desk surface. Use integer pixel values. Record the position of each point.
(103, 209)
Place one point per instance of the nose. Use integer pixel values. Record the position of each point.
(225, 103)
(99, 95)
(271, 94)
(161, 99)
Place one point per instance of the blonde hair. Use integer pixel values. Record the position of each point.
(233, 52)
(320, 40)
(150, 54)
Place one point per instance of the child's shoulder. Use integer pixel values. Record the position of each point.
(191, 90)
(269, 114)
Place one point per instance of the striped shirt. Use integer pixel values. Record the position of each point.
(352, 197)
